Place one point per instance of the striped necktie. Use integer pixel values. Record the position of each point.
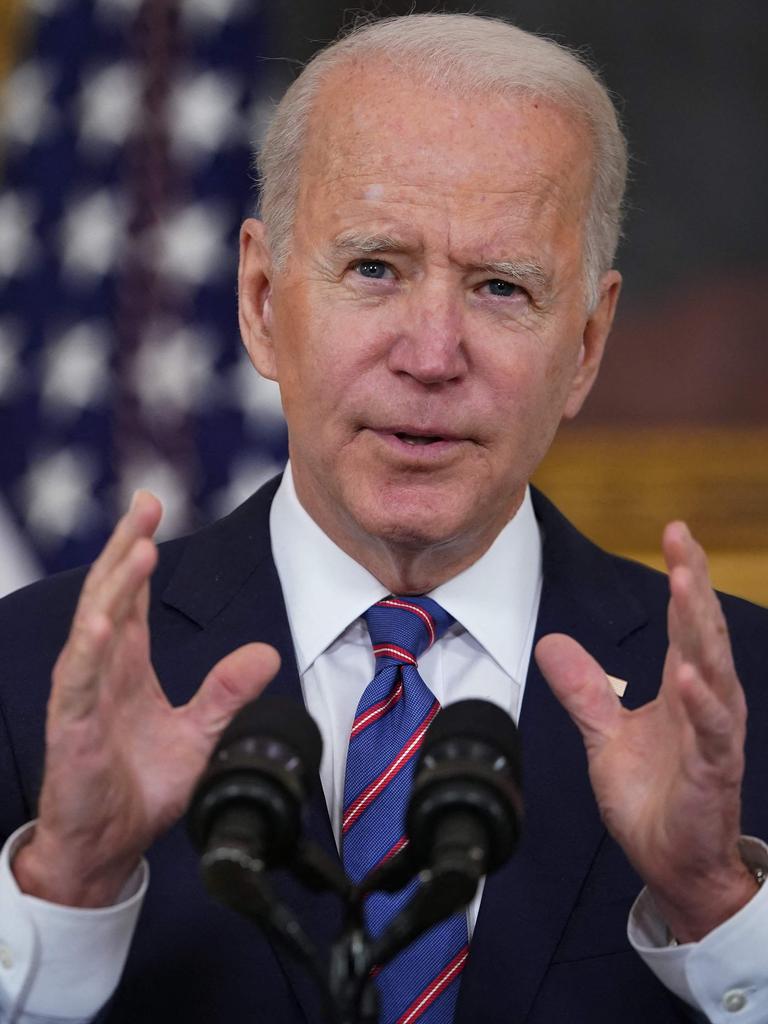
(421, 983)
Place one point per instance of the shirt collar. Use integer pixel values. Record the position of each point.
(494, 599)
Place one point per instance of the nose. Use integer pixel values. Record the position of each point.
(430, 344)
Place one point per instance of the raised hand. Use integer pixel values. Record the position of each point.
(667, 776)
(120, 761)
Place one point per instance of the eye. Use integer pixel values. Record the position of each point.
(502, 289)
(371, 268)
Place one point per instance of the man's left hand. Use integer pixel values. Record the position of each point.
(667, 776)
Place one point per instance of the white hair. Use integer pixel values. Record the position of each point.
(467, 54)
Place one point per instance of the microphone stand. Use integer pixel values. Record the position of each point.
(445, 888)
(463, 820)
(239, 880)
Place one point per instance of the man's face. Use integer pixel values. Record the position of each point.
(429, 330)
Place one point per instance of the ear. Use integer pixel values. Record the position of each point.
(594, 337)
(254, 289)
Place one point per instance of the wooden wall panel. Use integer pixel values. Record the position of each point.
(621, 486)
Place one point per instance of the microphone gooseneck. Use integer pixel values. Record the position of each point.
(463, 819)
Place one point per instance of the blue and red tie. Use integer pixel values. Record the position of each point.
(421, 983)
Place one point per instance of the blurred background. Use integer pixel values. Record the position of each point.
(125, 171)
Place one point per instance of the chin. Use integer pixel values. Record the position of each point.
(412, 521)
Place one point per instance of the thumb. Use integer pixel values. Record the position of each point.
(580, 684)
(233, 682)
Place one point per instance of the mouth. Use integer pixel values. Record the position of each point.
(431, 442)
(419, 439)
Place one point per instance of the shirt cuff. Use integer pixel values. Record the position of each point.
(725, 975)
(56, 961)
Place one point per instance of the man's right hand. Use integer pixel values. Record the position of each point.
(121, 762)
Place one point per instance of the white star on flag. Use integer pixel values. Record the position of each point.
(192, 244)
(108, 105)
(56, 495)
(76, 369)
(92, 234)
(203, 114)
(174, 371)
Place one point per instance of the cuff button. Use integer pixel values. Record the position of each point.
(734, 1000)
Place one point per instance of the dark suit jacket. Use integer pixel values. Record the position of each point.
(550, 943)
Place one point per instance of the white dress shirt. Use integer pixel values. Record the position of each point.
(64, 963)
(484, 654)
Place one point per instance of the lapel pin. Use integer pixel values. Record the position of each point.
(617, 685)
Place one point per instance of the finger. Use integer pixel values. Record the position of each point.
(121, 591)
(83, 665)
(689, 577)
(697, 627)
(681, 548)
(581, 686)
(237, 679)
(78, 668)
(719, 732)
(140, 520)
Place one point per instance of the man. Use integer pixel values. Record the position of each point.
(432, 288)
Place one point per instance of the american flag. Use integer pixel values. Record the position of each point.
(126, 170)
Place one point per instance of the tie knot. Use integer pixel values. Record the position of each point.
(403, 628)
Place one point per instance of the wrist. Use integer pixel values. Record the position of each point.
(719, 898)
(65, 876)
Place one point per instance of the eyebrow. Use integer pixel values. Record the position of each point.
(350, 243)
(527, 272)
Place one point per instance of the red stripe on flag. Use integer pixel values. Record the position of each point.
(371, 791)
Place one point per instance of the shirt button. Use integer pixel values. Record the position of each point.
(6, 957)
(734, 1000)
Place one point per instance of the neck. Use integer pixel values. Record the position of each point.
(404, 569)
(406, 565)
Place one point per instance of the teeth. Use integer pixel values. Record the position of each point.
(415, 439)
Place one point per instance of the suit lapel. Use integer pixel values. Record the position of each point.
(227, 583)
(526, 906)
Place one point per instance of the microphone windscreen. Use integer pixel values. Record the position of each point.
(475, 720)
(277, 718)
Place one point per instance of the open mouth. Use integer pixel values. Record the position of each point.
(417, 439)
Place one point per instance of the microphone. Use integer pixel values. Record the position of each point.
(466, 804)
(463, 820)
(247, 805)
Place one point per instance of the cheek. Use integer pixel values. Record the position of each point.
(529, 393)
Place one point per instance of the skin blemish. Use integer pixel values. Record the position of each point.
(374, 192)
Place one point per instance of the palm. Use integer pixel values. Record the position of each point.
(120, 761)
(667, 776)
